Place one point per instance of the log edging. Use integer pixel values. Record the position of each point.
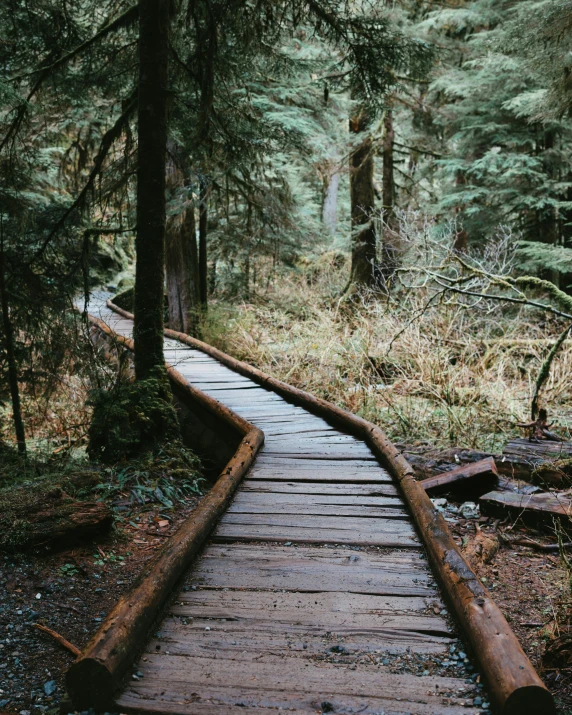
(94, 677)
(514, 685)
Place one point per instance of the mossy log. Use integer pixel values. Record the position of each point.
(31, 519)
(543, 462)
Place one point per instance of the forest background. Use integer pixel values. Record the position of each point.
(371, 200)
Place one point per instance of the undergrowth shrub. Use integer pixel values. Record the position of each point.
(453, 371)
(132, 418)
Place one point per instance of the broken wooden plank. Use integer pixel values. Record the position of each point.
(544, 506)
(474, 479)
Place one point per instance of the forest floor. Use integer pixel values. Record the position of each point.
(70, 591)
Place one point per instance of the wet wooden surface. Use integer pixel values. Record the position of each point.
(314, 594)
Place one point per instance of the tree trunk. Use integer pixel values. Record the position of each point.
(390, 244)
(151, 168)
(362, 205)
(11, 355)
(203, 224)
(181, 263)
(330, 204)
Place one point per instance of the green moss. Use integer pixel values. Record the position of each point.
(132, 418)
(125, 299)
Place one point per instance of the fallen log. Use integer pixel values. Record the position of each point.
(473, 479)
(542, 462)
(533, 507)
(545, 463)
(30, 519)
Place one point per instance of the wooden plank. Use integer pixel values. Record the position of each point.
(342, 453)
(357, 512)
(247, 640)
(243, 566)
(334, 611)
(472, 479)
(246, 532)
(320, 438)
(306, 487)
(294, 684)
(296, 500)
(311, 521)
(226, 701)
(544, 505)
(318, 475)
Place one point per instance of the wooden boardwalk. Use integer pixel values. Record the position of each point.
(313, 595)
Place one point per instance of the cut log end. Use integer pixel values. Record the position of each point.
(530, 700)
(90, 685)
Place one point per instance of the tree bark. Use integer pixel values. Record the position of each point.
(181, 263)
(390, 244)
(330, 203)
(362, 205)
(151, 167)
(11, 354)
(203, 224)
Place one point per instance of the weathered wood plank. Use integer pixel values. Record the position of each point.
(475, 478)
(241, 532)
(243, 566)
(306, 487)
(244, 498)
(295, 685)
(311, 521)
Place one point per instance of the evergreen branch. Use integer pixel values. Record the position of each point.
(105, 145)
(45, 72)
(21, 113)
(126, 18)
(419, 150)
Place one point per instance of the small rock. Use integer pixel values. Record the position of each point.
(38, 596)
(469, 510)
(50, 687)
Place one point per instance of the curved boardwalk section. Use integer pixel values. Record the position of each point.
(313, 595)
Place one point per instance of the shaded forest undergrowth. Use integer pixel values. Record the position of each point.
(453, 373)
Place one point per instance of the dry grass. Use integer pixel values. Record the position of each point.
(449, 374)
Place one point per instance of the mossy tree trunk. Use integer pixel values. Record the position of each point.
(181, 256)
(203, 228)
(390, 249)
(362, 204)
(10, 350)
(182, 273)
(151, 167)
